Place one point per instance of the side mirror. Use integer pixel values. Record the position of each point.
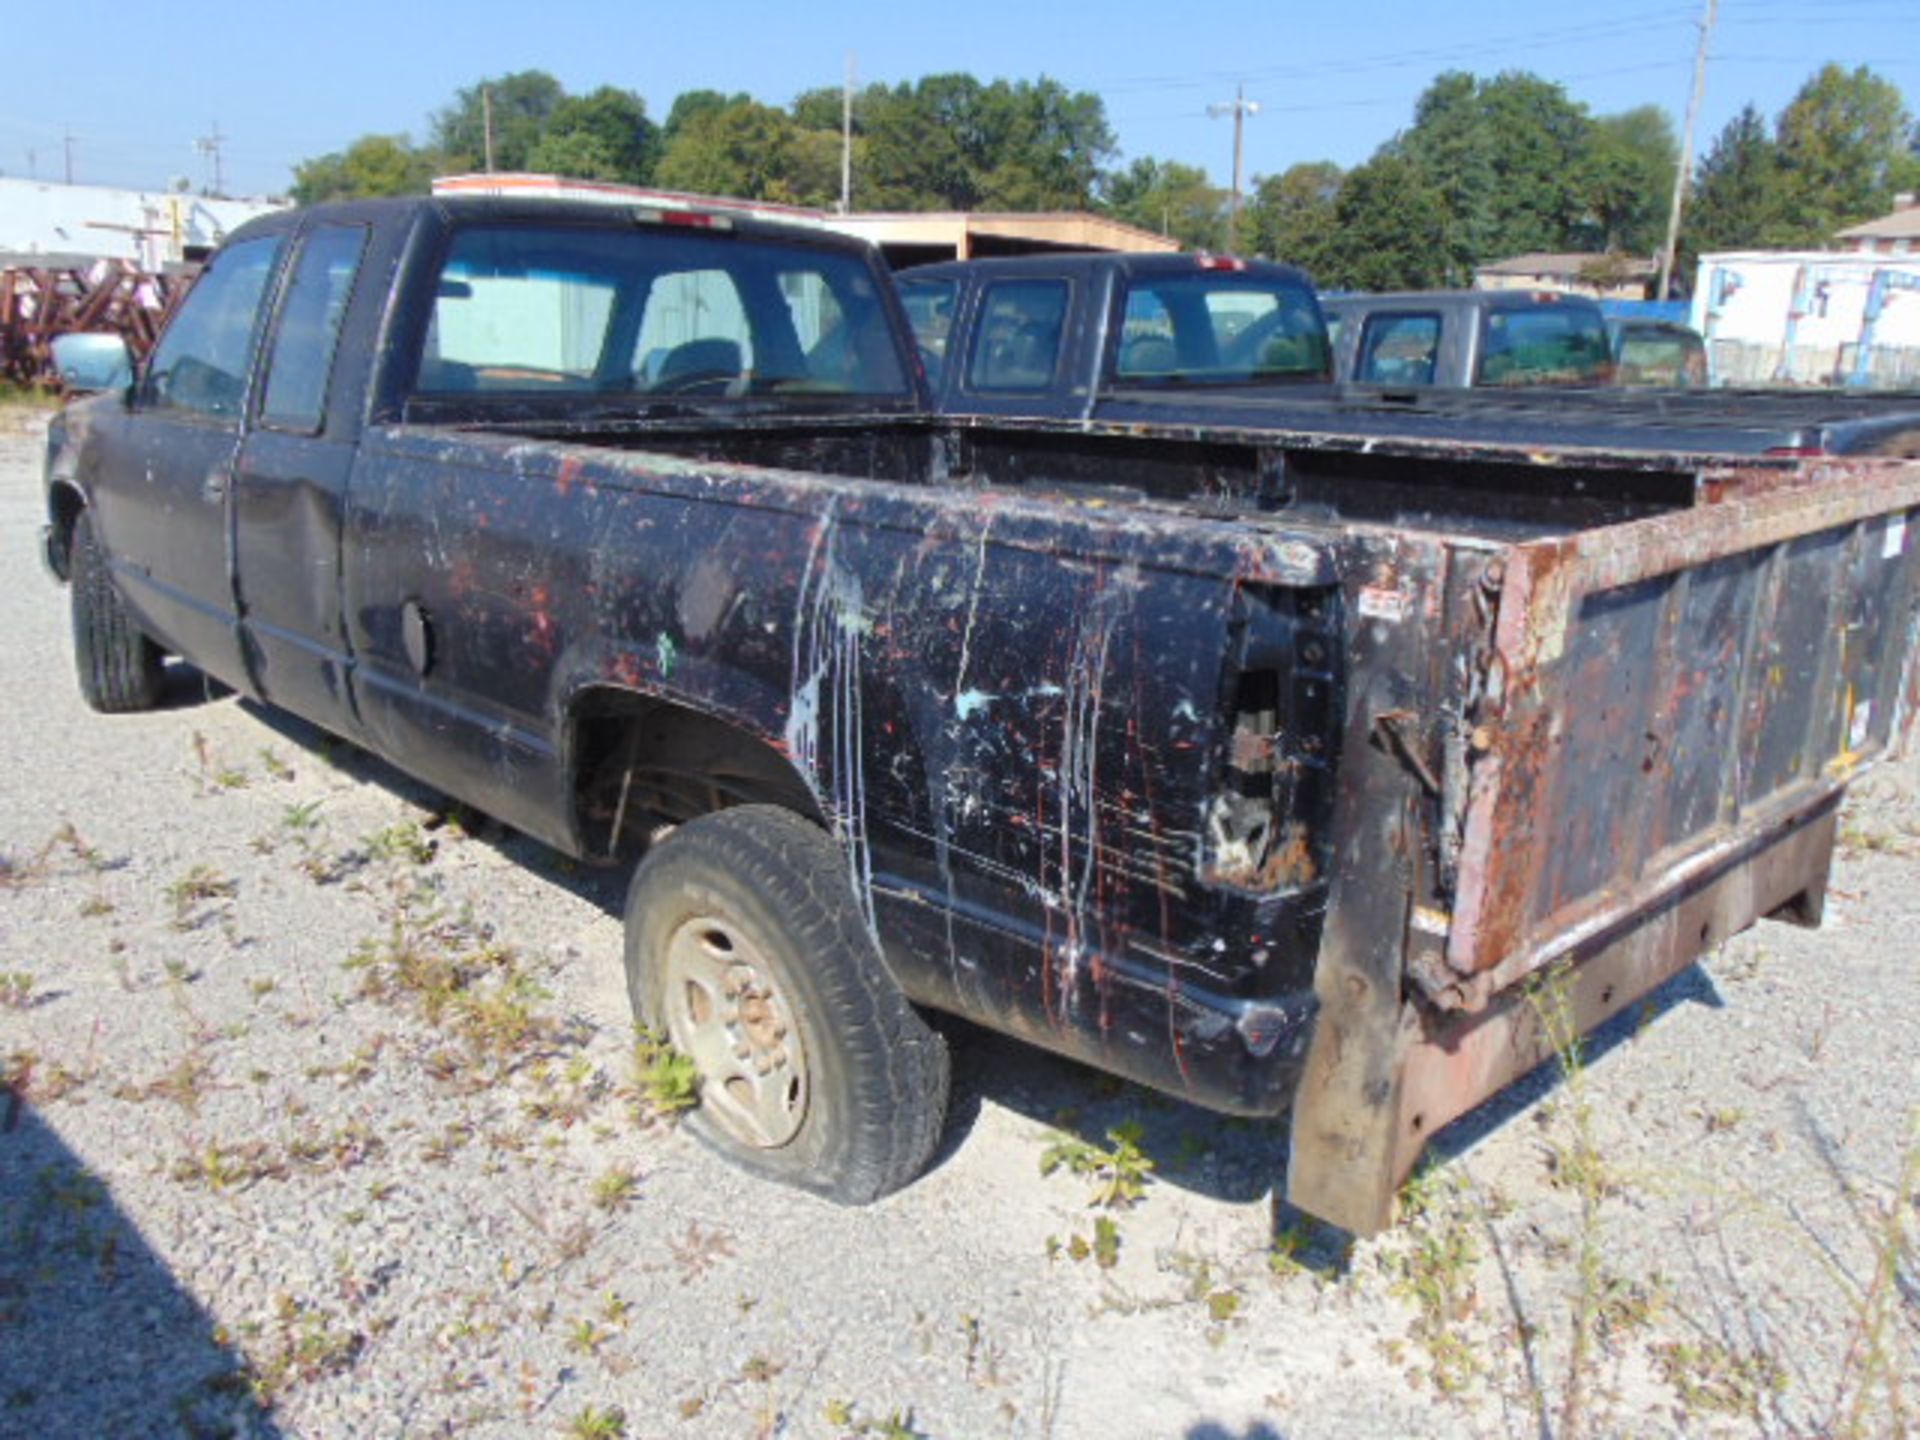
(89, 363)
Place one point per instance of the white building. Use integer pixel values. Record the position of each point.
(1810, 317)
(45, 223)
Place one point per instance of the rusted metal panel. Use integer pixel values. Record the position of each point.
(1663, 691)
(1454, 1060)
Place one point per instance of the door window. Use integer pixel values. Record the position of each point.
(1398, 349)
(1022, 323)
(302, 358)
(200, 364)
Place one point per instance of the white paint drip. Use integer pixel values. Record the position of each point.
(825, 716)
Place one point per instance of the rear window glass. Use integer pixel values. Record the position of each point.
(555, 309)
(1545, 345)
(1220, 329)
(1398, 349)
(1661, 357)
(1017, 346)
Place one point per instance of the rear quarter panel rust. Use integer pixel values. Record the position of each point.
(1010, 708)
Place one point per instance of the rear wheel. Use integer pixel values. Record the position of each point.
(119, 668)
(745, 947)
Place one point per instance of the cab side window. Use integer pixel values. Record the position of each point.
(1022, 323)
(1398, 349)
(309, 331)
(200, 364)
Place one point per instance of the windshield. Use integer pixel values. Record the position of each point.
(1221, 329)
(1544, 345)
(524, 309)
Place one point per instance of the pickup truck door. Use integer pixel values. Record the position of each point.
(290, 486)
(163, 465)
(1019, 334)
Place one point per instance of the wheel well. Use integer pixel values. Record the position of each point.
(640, 762)
(64, 505)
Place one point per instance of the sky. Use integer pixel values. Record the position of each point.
(1333, 80)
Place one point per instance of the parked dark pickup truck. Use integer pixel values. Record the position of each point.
(1272, 770)
(1212, 344)
(1506, 338)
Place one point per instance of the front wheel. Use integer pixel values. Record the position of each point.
(119, 668)
(746, 948)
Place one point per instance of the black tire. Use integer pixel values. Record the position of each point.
(772, 893)
(119, 668)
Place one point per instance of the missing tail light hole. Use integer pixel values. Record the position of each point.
(1266, 816)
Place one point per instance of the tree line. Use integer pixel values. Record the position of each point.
(943, 142)
(1489, 167)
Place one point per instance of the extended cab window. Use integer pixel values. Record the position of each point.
(929, 306)
(1544, 345)
(1398, 349)
(200, 364)
(1017, 345)
(549, 309)
(309, 330)
(1221, 329)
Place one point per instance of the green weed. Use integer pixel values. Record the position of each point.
(1119, 1174)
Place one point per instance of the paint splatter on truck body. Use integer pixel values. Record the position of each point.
(1263, 765)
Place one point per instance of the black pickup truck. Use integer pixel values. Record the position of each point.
(1270, 769)
(1220, 343)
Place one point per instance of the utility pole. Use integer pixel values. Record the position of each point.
(486, 123)
(1241, 108)
(209, 145)
(846, 140)
(66, 142)
(1686, 152)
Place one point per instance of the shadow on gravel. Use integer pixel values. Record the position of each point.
(1692, 986)
(1220, 1156)
(96, 1338)
(1224, 1157)
(1211, 1430)
(604, 887)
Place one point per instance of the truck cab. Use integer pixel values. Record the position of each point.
(1463, 338)
(1051, 335)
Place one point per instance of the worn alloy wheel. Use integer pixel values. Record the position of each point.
(725, 1011)
(746, 947)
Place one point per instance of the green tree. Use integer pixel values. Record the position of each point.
(689, 105)
(820, 110)
(1041, 146)
(921, 139)
(1169, 197)
(1840, 142)
(1392, 225)
(523, 103)
(948, 142)
(373, 165)
(1737, 199)
(1628, 179)
(1505, 155)
(742, 148)
(1292, 218)
(578, 154)
(609, 129)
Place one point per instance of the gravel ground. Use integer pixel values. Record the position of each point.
(322, 1118)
